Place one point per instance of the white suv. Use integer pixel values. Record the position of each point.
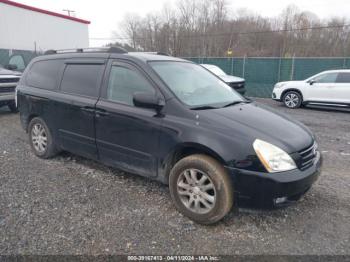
(329, 88)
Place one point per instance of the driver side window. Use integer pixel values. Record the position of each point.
(124, 82)
(326, 78)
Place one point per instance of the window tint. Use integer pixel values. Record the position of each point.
(326, 78)
(44, 74)
(124, 82)
(343, 78)
(82, 79)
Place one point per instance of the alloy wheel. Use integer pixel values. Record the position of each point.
(291, 100)
(196, 191)
(39, 138)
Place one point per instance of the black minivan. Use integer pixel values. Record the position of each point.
(170, 120)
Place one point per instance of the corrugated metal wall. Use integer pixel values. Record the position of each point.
(23, 29)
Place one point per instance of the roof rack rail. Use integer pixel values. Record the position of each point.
(113, 49)
(155, 53)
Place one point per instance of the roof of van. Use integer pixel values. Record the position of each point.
(112, 52)
(153, 56)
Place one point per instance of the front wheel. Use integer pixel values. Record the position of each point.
(201, 189)
(292, 99)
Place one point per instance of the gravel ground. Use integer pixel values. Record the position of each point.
(71, 205)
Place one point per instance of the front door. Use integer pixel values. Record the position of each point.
(322, 88)
(127, 136)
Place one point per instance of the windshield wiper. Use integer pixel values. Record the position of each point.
(203, 107)
(237, 102)
(233, 103)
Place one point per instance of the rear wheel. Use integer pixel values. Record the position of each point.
(40, 139)
(12, 106)
(292, 99)
(201, 189)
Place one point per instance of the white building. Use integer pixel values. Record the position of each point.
(26, 28)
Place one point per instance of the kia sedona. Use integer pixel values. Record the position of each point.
(326, 89)
(170, 120)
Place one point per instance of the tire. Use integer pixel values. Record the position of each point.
(198, 202)
(38, 131)
(12, 106)
(292, 99)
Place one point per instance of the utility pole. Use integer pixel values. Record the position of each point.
(69, 12)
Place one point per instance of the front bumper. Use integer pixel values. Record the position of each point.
(263, 189)
(277, 94)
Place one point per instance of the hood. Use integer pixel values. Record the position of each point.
(290, 82)
(247, 122)
(7, 72)
(230, 79)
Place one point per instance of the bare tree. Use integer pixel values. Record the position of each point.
(209, 28)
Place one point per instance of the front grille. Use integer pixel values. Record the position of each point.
(9, 80)
(307, 156)
(7, 89)
(236, 85)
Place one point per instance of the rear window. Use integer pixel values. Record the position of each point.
(343, 78)
(44, 74)
(82, 79)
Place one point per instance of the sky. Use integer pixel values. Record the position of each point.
(106, 15)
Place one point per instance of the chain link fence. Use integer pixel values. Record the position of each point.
(261, 74)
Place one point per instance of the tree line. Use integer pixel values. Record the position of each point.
(210, 28)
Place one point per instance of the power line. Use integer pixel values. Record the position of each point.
(230, 34)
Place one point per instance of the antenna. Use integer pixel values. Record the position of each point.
(69, 12)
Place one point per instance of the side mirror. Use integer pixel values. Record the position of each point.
(148, 100)
(11, 67)
(311, 82)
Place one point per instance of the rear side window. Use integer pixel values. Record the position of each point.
(343, 78)
(44, 74)
(82, 79)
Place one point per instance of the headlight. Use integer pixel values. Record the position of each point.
(272, 157)
(279, 85)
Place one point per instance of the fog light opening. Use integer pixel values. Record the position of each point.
(280, 200)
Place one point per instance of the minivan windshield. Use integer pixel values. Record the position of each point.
(194, 85)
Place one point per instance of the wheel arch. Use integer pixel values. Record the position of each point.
(292, 89)
(181, 151)
(30, 118)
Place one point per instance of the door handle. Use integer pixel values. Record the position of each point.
(101, 112)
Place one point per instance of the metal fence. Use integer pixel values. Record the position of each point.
(261, 74)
